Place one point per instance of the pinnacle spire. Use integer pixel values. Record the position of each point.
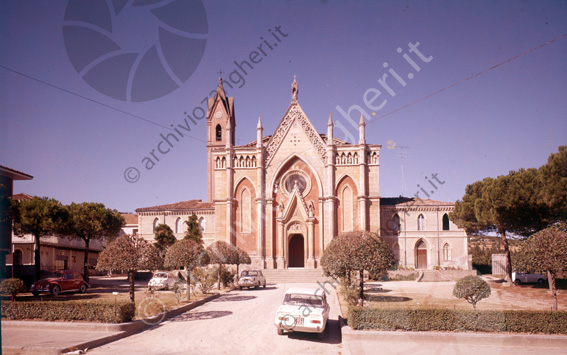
(259, 123)
(330, 123)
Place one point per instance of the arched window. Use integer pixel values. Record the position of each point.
(445, 222)
(17, 257)
(202, 224)
(178, 224)
(219, 132)
(396, 224)
(446, 252)
(348, 209)
(156, 223)
(245, 211)
(420, 223)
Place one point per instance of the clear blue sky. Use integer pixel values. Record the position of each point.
(78, 150)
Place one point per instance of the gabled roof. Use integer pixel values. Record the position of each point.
(21, 196)
(14, 174)
(183, 205)
(130, 218)
(412, 201)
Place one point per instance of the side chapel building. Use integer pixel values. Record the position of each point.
(284, 197)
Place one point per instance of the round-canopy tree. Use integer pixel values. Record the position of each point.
(129, 253)
(91, 221)
(357, 251)
(221, 253)
(40, 217)
(545, 252)
(186, 253)
(472, 289)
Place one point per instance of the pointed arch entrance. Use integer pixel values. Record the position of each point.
(296, 251)
(421, 255)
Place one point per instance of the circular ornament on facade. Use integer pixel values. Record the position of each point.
(296, 178)
(218, 114)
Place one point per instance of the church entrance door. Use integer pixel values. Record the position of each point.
(421, 255)
(296, 251)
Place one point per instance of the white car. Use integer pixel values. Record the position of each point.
(303, 310)
(251, 278)
(165, 280)
(527, 277)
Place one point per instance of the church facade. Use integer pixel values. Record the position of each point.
(284, 197)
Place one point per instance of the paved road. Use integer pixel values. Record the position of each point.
(240, 322)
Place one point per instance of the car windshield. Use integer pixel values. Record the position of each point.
(294, 299)
(54, 275)
(160, 275)
(249, 273)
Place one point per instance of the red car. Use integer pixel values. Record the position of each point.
(60, 281)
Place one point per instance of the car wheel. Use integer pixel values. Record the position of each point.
(35, 294)
(56, 290)
(83, 288)
(517, 282)
(264, 285)
(321, 336)
(540, 281)
(241, 288)
(257, 286)
(280, 331)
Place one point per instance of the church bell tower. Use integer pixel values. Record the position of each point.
(220, 131)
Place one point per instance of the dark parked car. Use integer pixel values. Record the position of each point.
(60, 281)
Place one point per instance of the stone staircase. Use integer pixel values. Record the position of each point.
(280, 276)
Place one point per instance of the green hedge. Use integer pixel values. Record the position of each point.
(360, 318)
(70, 311)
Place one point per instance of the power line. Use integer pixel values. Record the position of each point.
(92, 100)
(463, 80)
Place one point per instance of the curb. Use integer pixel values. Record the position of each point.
(497, 339)
(121, 330)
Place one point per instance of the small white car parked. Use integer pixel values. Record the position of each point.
(165, 280)
(527, 277)
(303, 310)
(251, 278)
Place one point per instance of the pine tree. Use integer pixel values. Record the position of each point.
(193, 231)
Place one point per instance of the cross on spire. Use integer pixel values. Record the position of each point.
(220, 73)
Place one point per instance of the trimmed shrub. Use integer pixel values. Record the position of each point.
(70, 311)
(472, 289)
(12, 287)
(445, 320)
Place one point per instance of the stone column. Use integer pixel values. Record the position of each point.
(280, 261)
(310, 243)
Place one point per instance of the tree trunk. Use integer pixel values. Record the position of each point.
(361, 292)
(37, 259)
(132, 275)
(237, 275)
(502, 233)
(219, 276)
(188, 282)
(86, 260)
(551, 280)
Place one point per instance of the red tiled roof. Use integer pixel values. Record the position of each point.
(21, 196)
(130, 218)
(412, 201)
(183, 205)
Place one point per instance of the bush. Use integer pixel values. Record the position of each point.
(70, 311)
(472, 289)
(360, 318)
(227, 277)
(206, 277)
(12, 287)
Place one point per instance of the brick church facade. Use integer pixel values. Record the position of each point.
(285, 196)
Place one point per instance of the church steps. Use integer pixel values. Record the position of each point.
(294, 276)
